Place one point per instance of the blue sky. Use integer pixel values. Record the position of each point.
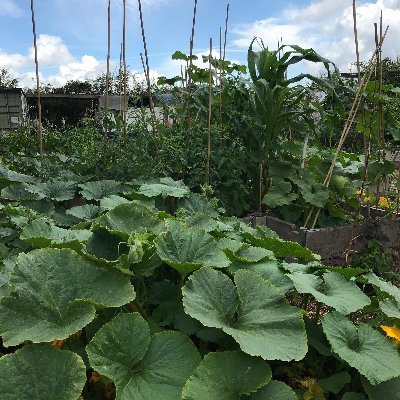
(72, 34)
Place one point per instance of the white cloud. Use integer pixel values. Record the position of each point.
(327, 26)
(53, 54)
(51, 51)
(8, 8)
(11, 61)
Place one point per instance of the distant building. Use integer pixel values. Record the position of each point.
(13, 108)
(63, 110)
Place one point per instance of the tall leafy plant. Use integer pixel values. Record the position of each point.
(279, 102)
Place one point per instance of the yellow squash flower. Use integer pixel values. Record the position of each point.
(392, 332)
(383, 202)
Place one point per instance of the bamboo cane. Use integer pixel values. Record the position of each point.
(124, 60)
(189, 83)
(147, 74)
(39, 104)
(209, 114)
(349, 123)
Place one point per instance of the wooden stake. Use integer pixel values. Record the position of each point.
(39, 104)
(356, 42)
(349, 122)
(108, 55)
(226, 29)
(124, 58)
(220, 77)
(147, 65)
(120, 80)
(209, 114)
(189, 84)
(108, 68)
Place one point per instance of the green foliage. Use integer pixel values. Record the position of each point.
(363, 348)
(241, 374)
(143, 366)
(256, 325)
(156, 294)
(22, 374)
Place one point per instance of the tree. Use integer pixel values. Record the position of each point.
(6, 80)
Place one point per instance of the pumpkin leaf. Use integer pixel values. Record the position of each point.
(187, 249)
(331, 289)
(54, 295)
(226, 376)
(99, 189)
(253, 311)
(86, 212)
(41, 371)
(274, 390)
(166, 187)
(41, 233)
(132, 217)
(363, 348)
(143, 367)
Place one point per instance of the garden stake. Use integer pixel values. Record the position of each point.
(108, 60)
(124, 58)
(39, 104)
(120, 81)
(356, 42)
(107, 81)
(147, 75)
(226, 29)
(220, 77)
(349, 122)
(189, 83)
(153, 117)
(209, 114)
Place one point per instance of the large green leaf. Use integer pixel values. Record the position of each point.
(41, 371)
(281, 248)
(99, 189)
(110, 202)
(250, 254)
(363, 348)
(54, 295)
(143, 367)
(166, 187)
(279, 194)
(7, 176)
(54, 190)
(226, 376)
(187, 249)
(390, 305)
(86, 212)
(274, 390)
(389, 390)
(315, 194)
(132, 217)
(198, 203)
(18, 192)
(268, 268)
(41, 233)
(254, 312)
(331, 289)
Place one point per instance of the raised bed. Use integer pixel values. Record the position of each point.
(334, 243)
